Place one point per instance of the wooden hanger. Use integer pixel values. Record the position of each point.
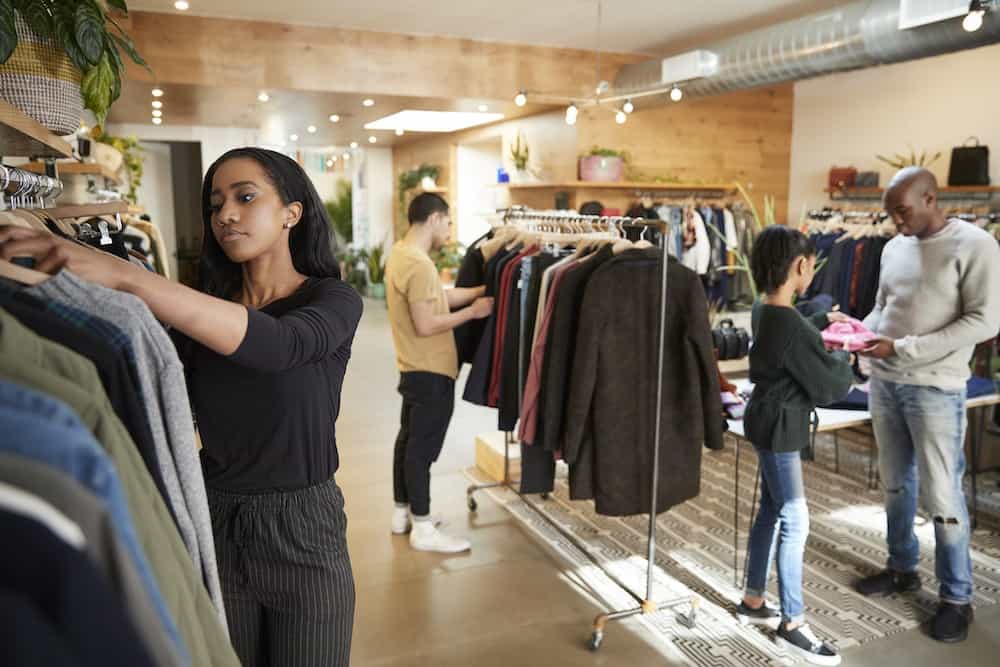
(88, 210)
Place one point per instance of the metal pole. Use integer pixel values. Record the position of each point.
(659, 418)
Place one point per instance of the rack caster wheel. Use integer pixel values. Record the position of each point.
(595, 641)
(473, 505)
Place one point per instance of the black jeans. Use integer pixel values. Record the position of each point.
(428, 403)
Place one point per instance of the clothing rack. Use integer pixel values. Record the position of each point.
(25, 189)
(556, 224)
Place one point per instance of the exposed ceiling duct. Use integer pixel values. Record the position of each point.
(860, 34)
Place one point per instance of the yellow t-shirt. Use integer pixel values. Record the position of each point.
(411, 277)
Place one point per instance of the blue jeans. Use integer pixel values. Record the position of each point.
(783, 517)
(920, 433)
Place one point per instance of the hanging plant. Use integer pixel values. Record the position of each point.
(131, 159)
(81, 29)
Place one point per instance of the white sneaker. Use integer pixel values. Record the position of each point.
(402, 523)
(425, 536)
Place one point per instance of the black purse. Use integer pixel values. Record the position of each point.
(970, 165)
(730, 342)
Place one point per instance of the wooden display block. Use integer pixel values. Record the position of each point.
(489, 456)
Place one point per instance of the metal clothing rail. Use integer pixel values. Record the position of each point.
(646, 605)
(25, 189)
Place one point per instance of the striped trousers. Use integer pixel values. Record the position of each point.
(286, 575)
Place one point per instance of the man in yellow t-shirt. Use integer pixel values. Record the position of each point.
(420, 313)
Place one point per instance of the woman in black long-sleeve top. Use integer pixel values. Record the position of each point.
(268, 338)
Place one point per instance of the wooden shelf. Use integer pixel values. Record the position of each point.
(947, 192)
(433, 191)
(621, 185)
(66, 168)
(21, 136)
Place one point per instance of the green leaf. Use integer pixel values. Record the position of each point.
(8, 33)
(126, 45)
(36, 14)
(118, 69)
(119, 4)
(97, 86)
(64, 27)
(89, 31)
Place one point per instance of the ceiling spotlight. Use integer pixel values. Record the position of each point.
(628, 107)
(399, 132)
(157, 92)
(157, 104)
(334, 158)
(311, 129)
(334, 118)
(571, 113)
(973, 21)
(483, 108)
(294, 137)
(329, 163)
(369, 102)
(157, 121)
(621, 117)
(346, 156)
(182, 5)
(372, 140)
(520, 99)
(262, 96)
(676, 94)
(157, 113)
(354, 144)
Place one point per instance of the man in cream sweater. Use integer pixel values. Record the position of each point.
(939, 296)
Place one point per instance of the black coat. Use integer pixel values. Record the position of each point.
(610, 416)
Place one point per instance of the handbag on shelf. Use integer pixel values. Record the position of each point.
(970, 165)
(730, 342)
(842, 177)
(866, 179)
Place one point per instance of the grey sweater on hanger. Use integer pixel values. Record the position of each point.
(937, 299)
(165, 398)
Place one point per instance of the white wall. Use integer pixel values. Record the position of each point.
(476, 169)
(932, 104)
(214, 140)
(157, 194)
(378, 181)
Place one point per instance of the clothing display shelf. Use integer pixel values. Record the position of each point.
(673, 189)
(945, 193)
(22, 136)
(570, 226)
(75, 168)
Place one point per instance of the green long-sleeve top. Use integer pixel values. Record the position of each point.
(792, 373)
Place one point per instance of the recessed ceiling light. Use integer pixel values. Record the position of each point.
(157, 92)
(400, 132)
(157, 113)
(483, 108)
(157, 121)
(311, 129)
(433, 121)
(294, 137)
(347, 156)
(372, 140)
(369, 102)
(182, 5)
(329, 163)
(157, 104)
(354, 144)
(334, 118)
(621, 117)
(262, 96)
(520, 99)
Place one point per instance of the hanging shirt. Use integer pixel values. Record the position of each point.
(699, 256)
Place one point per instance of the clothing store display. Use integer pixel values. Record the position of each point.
(165, 397)
(411, 277)
(697, 245)
(158, 247)
(428, 403)
(267, 412)
(477, 384)
(851, 335)
(471, 273)
(936, 317)
(286, 575)
(792, 373)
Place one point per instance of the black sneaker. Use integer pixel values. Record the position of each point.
(951, 624)
(887, 582)
(802, 644)
(763, 615)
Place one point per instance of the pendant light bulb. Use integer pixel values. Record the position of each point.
(973, 21)
(400, 131)
(571, 114)
(676, 94)
(311, 129)
(334, 118)
(621, 117)
(521, 99)
(329, 163)
(628, 107)
(157, 92)
(262, 96)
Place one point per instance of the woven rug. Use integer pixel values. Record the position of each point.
(695, 557)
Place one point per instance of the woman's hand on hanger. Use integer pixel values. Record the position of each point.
(52, 254)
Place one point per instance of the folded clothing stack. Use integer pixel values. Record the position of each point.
(850, 334)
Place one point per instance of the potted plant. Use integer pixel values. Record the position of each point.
(428, 174)
(132, 159)
(72, 48)
(603, 164)
(448, 259)
(354, 267)
(519, 155)
(376, 272)
(340, 210)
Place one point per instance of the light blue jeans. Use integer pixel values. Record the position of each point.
(920, 433)
(783, 522)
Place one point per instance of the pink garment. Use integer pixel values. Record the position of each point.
(533, 386)
(851, 335)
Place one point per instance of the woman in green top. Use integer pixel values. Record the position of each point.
(792, 373)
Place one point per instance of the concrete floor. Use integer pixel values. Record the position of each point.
(508, 602)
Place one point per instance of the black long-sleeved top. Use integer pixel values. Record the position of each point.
(792, 373)
(267, 413)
